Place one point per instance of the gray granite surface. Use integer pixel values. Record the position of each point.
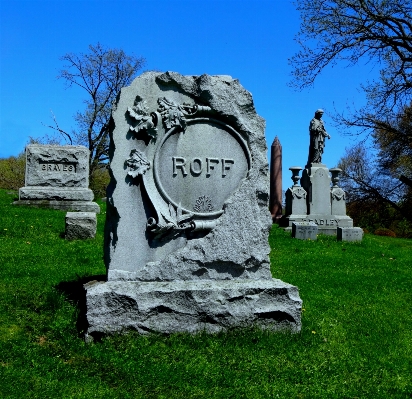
(187, 207)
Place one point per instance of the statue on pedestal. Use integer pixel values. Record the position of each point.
(318, 134)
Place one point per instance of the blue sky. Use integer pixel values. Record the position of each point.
(249, 40)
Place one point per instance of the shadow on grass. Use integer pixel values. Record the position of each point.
(76, 294)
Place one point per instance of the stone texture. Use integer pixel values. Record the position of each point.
(187, 207)
(56, 193)
(350, 234)
(305, 230)
(192, 306)
(80, 225)
(57, 177)
(84, 206)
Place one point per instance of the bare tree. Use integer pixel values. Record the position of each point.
(101, 73)
(367, 182)
(378, 32)
(394, 141)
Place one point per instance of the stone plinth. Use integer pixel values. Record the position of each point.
(295, 201)
(187, 225)
(305, 230)
(350, 234)
(80, 225)
(324, 205)
(192, 306)
(57, 177)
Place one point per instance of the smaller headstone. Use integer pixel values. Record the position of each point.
(80, 225)
(349, 234)
(57, 177)
(304, 230)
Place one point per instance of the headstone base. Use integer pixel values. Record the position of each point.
(83, 206)
(56, 193)
(327, 224)
(191, 306)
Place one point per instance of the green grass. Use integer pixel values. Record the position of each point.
(356, 339)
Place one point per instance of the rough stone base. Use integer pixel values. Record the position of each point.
(191, 306)
(83, 206)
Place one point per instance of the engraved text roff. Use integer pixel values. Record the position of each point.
(209, 159)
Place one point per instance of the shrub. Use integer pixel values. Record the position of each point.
(12, 171)
(99, 180)
(384, 232)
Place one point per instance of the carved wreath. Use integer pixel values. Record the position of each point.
(172, 115)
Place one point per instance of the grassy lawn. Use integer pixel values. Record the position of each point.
(356, 340)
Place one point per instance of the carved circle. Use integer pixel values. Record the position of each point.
(210, 160)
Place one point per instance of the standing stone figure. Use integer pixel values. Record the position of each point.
(317, 133)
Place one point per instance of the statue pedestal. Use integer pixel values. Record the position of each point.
(317, 202)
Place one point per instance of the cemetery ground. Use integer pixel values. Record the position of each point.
(356, 338)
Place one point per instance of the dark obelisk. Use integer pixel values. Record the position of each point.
(275, 201)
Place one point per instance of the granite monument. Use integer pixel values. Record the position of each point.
(186, 235)
(315, 200)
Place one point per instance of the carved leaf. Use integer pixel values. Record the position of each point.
(137, 163)
(172, 114)
(172, 212)
(146, 123)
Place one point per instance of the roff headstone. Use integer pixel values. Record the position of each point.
(187, 222)
(57, 177)
(305, 230)
(349, 234)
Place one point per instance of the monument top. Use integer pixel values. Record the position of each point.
(317, 134)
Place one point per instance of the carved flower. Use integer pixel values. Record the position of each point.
(203, 205)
